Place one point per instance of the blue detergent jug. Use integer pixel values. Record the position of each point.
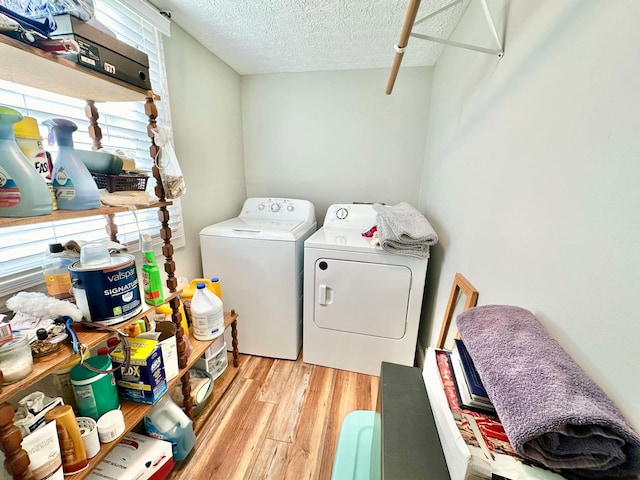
(23, 192)
(73, 184)
(167, 421)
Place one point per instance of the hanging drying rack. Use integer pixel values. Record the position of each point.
(410, 21)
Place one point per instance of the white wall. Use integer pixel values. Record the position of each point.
(206, 112)
(532, 178)
(335, 137)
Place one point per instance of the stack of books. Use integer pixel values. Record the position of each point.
(471, 392)
(479, 428)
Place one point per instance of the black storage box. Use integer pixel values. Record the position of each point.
(104, 53)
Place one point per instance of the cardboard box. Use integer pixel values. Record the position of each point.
(145, 380)
(104, 53)
(136, 457)
(169, 348)
(28, 420)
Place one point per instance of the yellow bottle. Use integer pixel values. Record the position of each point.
(165, 309)
(30, 142)
(215, 287)
(212, 284)
(74, 455)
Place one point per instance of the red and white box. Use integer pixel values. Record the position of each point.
(136, 457)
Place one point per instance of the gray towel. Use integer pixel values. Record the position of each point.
(404, 230)
(552, 411)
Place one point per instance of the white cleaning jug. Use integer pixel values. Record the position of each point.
(207, 315)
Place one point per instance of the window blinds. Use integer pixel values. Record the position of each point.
(124, 127)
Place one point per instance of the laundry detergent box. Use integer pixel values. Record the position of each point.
(144, 381)
(136, 457)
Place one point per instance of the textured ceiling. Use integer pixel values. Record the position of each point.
(273, 36)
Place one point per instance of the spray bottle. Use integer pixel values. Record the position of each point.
(153, 293)
(23, 192)
(74, 186)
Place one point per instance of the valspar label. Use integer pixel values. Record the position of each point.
(107, 294)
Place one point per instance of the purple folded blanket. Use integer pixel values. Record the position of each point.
(552, 411)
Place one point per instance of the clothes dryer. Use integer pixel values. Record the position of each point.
(362, 304)
(258, 257)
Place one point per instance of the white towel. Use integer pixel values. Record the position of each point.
(404, 230)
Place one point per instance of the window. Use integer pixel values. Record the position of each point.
(124, 127)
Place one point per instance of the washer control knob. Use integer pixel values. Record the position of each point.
(261, 206)
(275, 207)
(342, 213)
(289, 208)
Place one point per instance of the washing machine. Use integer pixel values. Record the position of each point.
(362, 304)
(258, 257)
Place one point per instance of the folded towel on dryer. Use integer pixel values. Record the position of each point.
(551, 410)
(404, 230)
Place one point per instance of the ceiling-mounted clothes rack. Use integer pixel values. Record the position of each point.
(410, 21)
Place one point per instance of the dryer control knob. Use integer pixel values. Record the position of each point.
(342, 213)
(289, 208)
(261, 206)
(275, 207)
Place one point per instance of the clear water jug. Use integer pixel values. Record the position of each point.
(55, 268)
(23, 192)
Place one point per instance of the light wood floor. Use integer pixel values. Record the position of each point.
(278, 419)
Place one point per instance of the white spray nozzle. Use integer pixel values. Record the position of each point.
(147, 244)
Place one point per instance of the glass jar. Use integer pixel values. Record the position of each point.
(16, 361)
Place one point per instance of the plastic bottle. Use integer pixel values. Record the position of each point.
(23, 192)
(165, 309)
(55, 268)
(74, 186)
(190, 289)
(215, 287)
(167, 421)
(207, 315)
(30, 143)
(153, 293)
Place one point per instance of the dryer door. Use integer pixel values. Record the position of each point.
(361, 297)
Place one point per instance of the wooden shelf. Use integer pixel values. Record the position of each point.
(220, 387)
(45, 365)
(23, 64)
(135, 412)
(27, 65)
(71, 214)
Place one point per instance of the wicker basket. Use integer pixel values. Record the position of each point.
(121, 183)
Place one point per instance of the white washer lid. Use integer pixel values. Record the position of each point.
(255, 228)
(268, 219)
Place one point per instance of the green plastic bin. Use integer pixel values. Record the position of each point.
(353, 453)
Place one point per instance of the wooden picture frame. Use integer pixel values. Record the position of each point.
(460, 285)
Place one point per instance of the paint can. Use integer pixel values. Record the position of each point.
(107, 293)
